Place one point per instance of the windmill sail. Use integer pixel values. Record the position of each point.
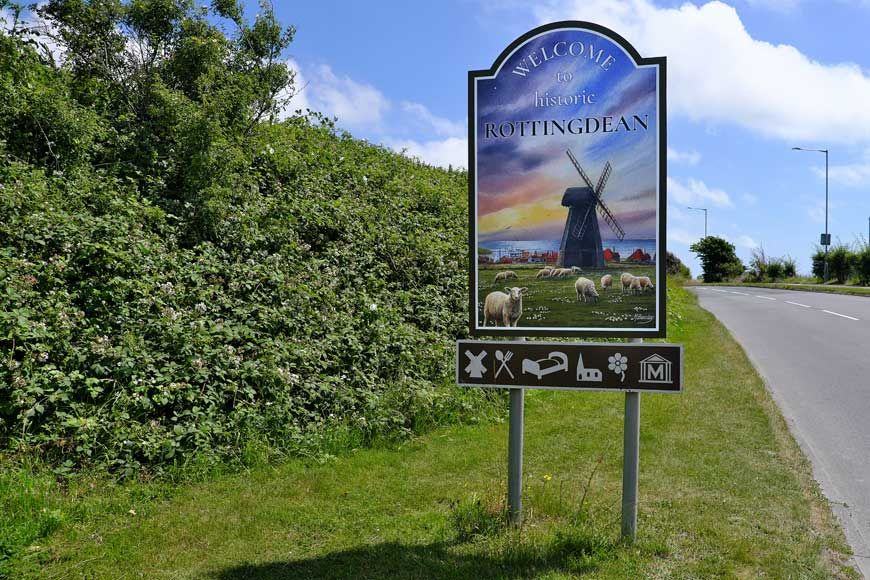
(597, 191)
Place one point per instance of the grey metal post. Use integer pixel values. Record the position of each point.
(515, 455)
(826, 215)
(630, 459)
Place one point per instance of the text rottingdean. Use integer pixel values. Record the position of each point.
(575, 126)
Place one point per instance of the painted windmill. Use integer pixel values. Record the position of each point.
(581, 240)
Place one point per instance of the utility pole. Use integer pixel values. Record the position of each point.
(703, 209)
(826, 239)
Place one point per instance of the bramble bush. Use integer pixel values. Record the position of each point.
(332, 302)
(185, 275)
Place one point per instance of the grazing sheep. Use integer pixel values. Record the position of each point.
(585, 288)
(645, 283)
(504, 308)
(544, 273)
(576, 270)
(626, 281)
(639, 284)
(561, 273)
(606, 282)
(506, 275)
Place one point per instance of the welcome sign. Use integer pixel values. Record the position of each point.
(567, 173)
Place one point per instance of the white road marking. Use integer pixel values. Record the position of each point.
(717, 290)
(798, 304)
(838, 314)
(741, 293)
(765, 297)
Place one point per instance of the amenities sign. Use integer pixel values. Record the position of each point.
(570, 366)
(567, 187)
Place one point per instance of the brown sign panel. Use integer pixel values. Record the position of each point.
(650, 367)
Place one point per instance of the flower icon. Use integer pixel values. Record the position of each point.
(618, 364)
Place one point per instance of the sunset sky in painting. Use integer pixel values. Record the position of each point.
(521, 179)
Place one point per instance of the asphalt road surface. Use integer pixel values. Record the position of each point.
(813, 350)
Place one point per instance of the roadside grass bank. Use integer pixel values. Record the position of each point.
(824, 288)
(724, 492)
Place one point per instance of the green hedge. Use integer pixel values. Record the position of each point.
(328, 301)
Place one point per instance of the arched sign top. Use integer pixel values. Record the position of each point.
(567, 179)
(615, 37)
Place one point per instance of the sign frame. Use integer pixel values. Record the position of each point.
(660, 330)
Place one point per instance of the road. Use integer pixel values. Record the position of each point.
(813, 350)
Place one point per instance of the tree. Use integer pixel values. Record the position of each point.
(675, 267)
(719, 260)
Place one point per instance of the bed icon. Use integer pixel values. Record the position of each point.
(555, 362)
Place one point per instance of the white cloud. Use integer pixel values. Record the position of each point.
(356, 105)
(366, 111)
(451, 151)
(849, 175)
(439, 125)
(695, 192)
(746, 242)
(687, 157)
(718, 73)
(681, 236)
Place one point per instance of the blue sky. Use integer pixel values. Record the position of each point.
(748, 79)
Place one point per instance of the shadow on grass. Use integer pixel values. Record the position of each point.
(432, 561)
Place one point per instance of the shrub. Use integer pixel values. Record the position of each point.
(675, 267)
(775, 269)
(860, 263)
(758, 265)
(789, 267)
(839, 263)
(818, 263)
(185, 277)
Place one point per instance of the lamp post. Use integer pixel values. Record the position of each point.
(826, 241)
(703, 209)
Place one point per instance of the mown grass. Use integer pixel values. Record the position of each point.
(824, 288)
(724, 492)
(553, 302)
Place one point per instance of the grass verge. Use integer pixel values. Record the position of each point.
(724, 490)
(825, 288)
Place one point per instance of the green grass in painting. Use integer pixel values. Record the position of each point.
(553, 302)
(724, 493)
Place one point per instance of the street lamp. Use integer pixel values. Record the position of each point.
(703, 209)
(826, 240)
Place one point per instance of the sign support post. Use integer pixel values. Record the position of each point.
(630, 462)
(515, 454)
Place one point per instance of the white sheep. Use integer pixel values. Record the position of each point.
(561, 273)
(544, 273)
(504, 308)
(576, 270)
(506, 275)
(585, 288)
(626, 281)
(645, 283)
(639, 284)
(606, 282)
